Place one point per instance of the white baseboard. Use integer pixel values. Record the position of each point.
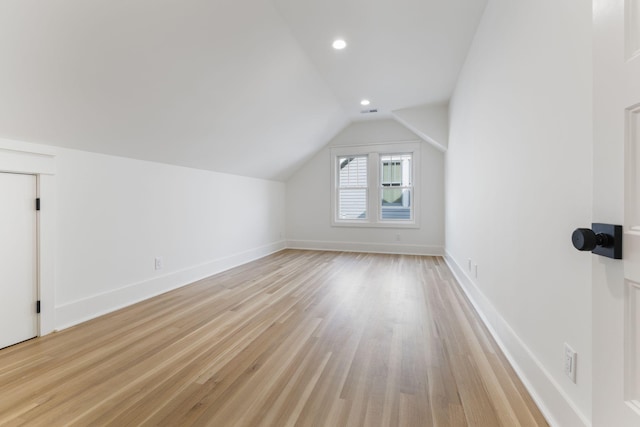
(71, 314)
(553, 402)
(382, 248)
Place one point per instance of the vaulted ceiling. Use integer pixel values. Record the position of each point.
(246, 87)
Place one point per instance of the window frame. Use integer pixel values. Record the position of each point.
(374, 152)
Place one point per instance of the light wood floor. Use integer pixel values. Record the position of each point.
(298, 338)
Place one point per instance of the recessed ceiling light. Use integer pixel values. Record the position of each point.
(365, 102)
(339, 44)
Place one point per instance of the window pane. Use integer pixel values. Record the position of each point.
(391, 173)
(352, 203)
(396, 203)
(396, 170)
(352, 187)
(352, 172)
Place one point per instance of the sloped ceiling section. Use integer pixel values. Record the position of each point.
(219, 85)
(399, 54)
(429, 122)
(247, 87)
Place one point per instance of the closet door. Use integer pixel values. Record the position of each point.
(18, 259)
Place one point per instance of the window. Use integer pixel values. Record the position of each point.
(396, 187)
(373, 186)
(352, 187)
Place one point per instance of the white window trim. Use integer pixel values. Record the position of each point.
(374, 207)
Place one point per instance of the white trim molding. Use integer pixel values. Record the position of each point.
(553, 402)
(382, 248)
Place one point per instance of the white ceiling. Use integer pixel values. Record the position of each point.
(400, 53)
(251, 88)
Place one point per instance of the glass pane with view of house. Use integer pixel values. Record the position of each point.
(352, 187)
(396, 187)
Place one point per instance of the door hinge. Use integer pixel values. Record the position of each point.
(38, 204)
(38, 307)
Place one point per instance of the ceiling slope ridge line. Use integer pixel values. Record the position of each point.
(316, 67)
(430, 122)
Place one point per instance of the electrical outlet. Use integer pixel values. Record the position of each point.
(570, 359)
(158, 263)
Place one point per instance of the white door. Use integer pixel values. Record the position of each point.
(616, 284)
(18, 280)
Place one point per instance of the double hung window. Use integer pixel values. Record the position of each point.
(373, 186)
(396, 187)
(352, 187)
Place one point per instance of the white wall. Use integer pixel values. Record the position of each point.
(519, 180)
(115, 215)
(309, 199)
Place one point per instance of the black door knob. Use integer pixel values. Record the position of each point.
(584, 239)
(602, 239)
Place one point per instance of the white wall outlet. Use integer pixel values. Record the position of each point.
(158, 263)
(469, 264)
(570, 359)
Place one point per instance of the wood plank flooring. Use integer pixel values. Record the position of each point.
(297, 338)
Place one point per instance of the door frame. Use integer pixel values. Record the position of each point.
(32, 159)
